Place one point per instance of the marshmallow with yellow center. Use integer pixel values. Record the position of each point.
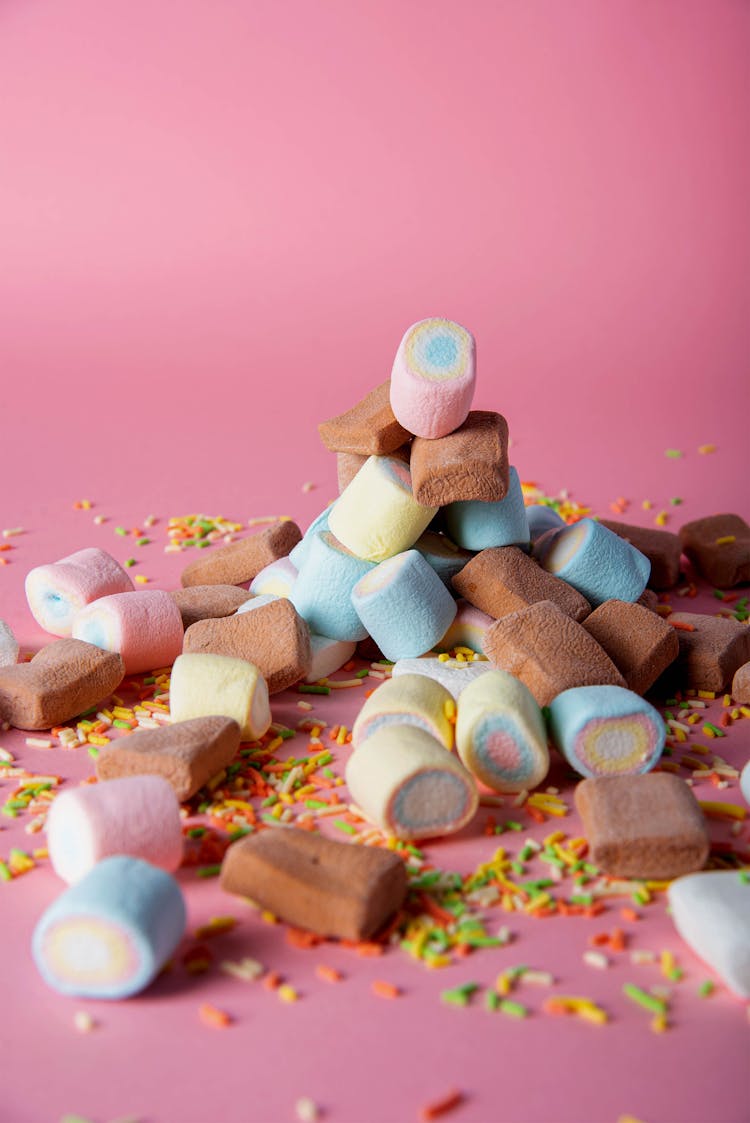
(411, 699)
(500, 733)
(203, 685)
(606, 730)
(377, 516)
(433, 377)
(595, 561)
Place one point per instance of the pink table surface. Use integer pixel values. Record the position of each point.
(216, 221)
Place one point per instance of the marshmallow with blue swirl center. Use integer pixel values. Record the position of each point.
(500, 733)
(595, 561)
(433, 378)
(475, 525)
(606, 730)
(322, 593)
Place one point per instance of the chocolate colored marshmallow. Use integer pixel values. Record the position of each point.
(243, 560)
(637, 640)
(273, 636)
(61, 681)
(548, 652)
(186, 753)
(332, 888)
(207, 602)
(368, 429)
(661, 547)
(741, 684)
(649, 826)
(719, 548)
(504, 579)
(712, 649)
(470, 463)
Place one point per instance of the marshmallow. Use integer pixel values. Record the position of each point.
(504, 579)
(445, 557)
(186, 753)
(719, 548)
(145, 627)
(500, 733)
(606, 730)
(433, 378)
(408, 785)
(369, 428)
(477, 526)
(63, 680)
(322, 591)
(416, 700)
(207, 602)
(594, 560)
(467, 629)
(135, 815)
(404, 605)
(451, 674)
(298, 556)
(332, 888)
(203, 685)
(57, 592)
(741, 684)
(328, 655)
(242, 561)
(712, 649)
(376, 516)
(8, 646)
(541, 519)
(276, 579)
(349, 463)
(109, 935)
(470, 463)
(271, 635)
(661, 547)
(745, 782)
(640, 644)
(254, 601)
(711, 912)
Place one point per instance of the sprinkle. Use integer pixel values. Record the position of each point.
(512, 1009)
(705, 450)
(306, 1110)
(716, 810)
(673, 453)
(13, 532)
(459, 996)
(446, 1103)
(706, 989)
(595, 959)
(212, 1016)
(328, 974)
(83, 1021)
(384, 989)
(644, 999)
(287, 993)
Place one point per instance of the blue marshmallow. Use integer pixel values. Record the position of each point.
(606, 730)
(541, 519)
(595, 561)
(322, 591)
(475, 525)
(445, 557)
(298, 555)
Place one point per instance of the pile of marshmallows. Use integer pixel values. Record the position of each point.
(428, 505)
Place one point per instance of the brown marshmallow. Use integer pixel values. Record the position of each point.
(661, 547)
(61, 681)
(648, 599)
(208, 602)
(648, 826)
(719, 548)
(243, 560)
(273, 636)
(332, 888)
(469, 463)
(741, 684)
(548, 652)
(712, 649)
(503, 579)
(639, 643)
(370, 428)
(186, 753)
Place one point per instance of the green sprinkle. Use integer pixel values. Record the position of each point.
(512, 825)
(518, 868)
(93, 751)
(128, 563)
(190, 542)
(526, 853)
(582, 899)
(315, 804)
(270, 820)
(673, 453)
(363, 673)
(706, 989)
(121, 531)
(5, 874)
(676, 502)
(239, 832)
(202, 543)
(120, 724)
(425, 880)
(9, 812)
(196, 832)
(347, 828)
(329, 774)
(744, 876)
(149, 681)
(208, 871)
(491, 1000)
(644, 999)
(324, 758)
(142, 541)
(459, 996)
(718, 593)
(16, 852)
(715, 729)
(286, 734)
(513, 1009)
(481, 941)
(303, 688)
(676, 975)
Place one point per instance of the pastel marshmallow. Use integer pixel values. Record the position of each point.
(445, 557)
(369, 428)
(9, 647)
(475, 525)
(411, 699)
(451, 674)
(135, 815)
(109, 935)
(207, 602)
(606, 730)
(144, 626)
(242, 561)
(322, 591)
(467, 629)
(298, 555)
(63, 680)
(661, 547)
(57, 592)
(745, 782)
(277, 579)
(500, 733)
(408, 785)
(349, 463)
(541, 519)
(376, 516)
(204, 685)
(595, 561)
(711, 912)
(470, 463)
(328, 656)
(404, 605)
(433, 377)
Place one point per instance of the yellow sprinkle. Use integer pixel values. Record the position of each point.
(275, 744)
(94, 739)
(443, 657)
(726, 540)
(341, 739)
(646, 504)
(709, 694)
(704, 450)
(449, 709)
(141, 579)
(713, 807)
(662, 518)
(287, 993)
(659, 1023)
(556, 836)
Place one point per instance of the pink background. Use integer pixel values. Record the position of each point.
(216, 221)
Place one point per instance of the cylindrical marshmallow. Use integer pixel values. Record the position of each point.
(413, 699)
(135, 815)
(404, 606)
(711, 912)
(276, 579)
(606, 730)
(58, 591)
(322, 591)
(500, 733)
(144, 626)
(745, 782)
(445, 557)
(595, 561)
(8, 646)
(478, 526)
(433, 378)
(377, 516)
(298, 556)
(109, 935)
(409, 785)
(451, 674)
(467, 629)
(257, 600)
(328, 655)
(205, 684)
(541, 519)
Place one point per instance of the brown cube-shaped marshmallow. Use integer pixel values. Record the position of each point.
(712, 648)
(648, 826)
(469, 463)
(61, 681)
(741, 684)
(370, 428)
(186, 753)
(208, 602)
(648, 599)
(332, 888)
(243, 560)
(273, 636)
(719, 548)
(661, 547)
(503, 579)
(639, 643)
(548, 652)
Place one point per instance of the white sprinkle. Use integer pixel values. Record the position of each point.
(640, 957)
(595, 959)
(13, 532)
(38, 743)
(307, 1110)
(308, 486)
(83, 1021)
(538, 978)
(6, 755)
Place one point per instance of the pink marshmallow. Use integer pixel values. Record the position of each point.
(144, 626)
(58, 591)
(433, 377)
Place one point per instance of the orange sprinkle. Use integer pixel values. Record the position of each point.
(630, 914)
(536, 814)
(272, 980)
(328, 974)
(385, 990)
(446, 1103)
(212, 1016)
(368, 949)
(301, 938)
(617, 940)
(600, 940)
(680, 625)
